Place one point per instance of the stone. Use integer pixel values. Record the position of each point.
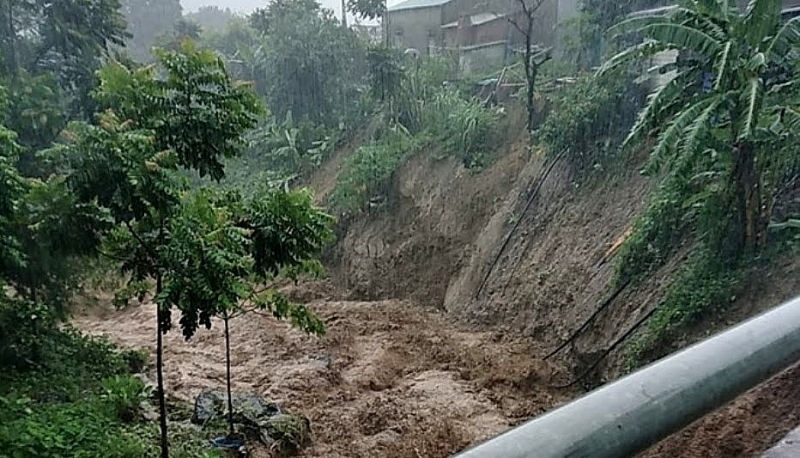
(247, 408)
(207, 405)
(281, 431)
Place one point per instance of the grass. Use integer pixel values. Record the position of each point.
(78, 398)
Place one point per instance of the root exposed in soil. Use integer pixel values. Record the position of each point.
(389, 379)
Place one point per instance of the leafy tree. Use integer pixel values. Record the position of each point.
(313, 66)
(238, 43)
(367, 9)
(12, 188)
(385, 71)
(227, 245)
(211, 18)
(595, 18)
(183, 30)
(37, 112)
(204, 249)
(128, 165)
(148, 20)
(719, 116)
(51, 52)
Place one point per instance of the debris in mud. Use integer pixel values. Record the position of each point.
(265, 421)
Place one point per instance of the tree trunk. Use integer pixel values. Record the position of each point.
(344, 14)
(386, 20)
(162, 404)
(228, 374)
(530, 76)
(12, 37)
(749, 195)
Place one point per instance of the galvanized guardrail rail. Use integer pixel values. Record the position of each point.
(627, 416)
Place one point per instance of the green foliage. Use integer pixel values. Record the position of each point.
(148, 20)
(657, 234)
(37, 110)
(197, 111)
(182, 31)
(66, 39)
(289, 148)
(124, 395)
(704, 287)
(589, 118)
(12, 188)
(723, 152)
(385, 72)
(24, 330)
(589, 45)
(136, 360)
(226, 245)
(367, 9)
(73, 397)
(713, 135)
(56, 232)
(462, 127)
(366, 173)
(78, 429)
(211, 17)
(314, 67)
(418, 109)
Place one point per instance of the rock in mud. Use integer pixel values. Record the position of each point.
(247, 408)
(282, 431)
(207, 405)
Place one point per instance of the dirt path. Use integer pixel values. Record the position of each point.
(388, 380)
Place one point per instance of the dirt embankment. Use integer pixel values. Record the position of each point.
(437, 241)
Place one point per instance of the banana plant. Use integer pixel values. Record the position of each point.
(736, 69)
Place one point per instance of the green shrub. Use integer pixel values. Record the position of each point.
(136, 360)
(464, 127)
(657, 233)
(590, 118)
(366, 172)
(25, 330)
(80, 429)
(125, 395)
(703, 287)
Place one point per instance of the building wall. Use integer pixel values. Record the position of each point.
(420, 27)
(478, 58)
(415, 28)
(496, 30)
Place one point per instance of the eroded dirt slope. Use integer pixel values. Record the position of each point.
(390, 379)
(438, 240)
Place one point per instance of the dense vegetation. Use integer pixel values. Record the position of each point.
(174, 166)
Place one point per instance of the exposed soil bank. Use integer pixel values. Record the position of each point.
(437, 240)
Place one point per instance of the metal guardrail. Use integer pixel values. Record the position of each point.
(636, 411)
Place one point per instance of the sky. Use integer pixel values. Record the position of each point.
(246, 6)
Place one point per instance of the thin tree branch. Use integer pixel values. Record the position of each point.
(143, 244)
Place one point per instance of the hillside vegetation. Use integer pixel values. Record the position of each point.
(590, 218)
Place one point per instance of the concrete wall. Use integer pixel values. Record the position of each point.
(481, 57)
(415, 28)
